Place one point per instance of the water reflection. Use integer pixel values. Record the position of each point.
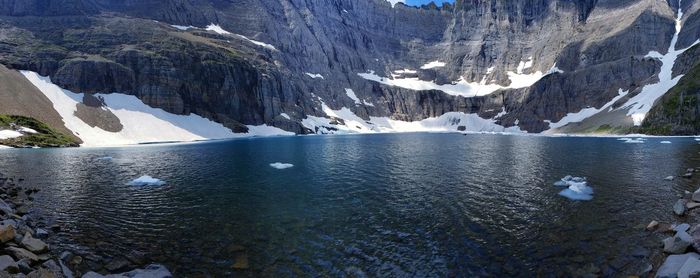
(402, 205)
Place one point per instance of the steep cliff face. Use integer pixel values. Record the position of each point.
(535, 60)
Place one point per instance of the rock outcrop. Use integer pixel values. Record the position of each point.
(258, 71)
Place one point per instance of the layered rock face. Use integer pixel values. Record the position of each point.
(293, 56)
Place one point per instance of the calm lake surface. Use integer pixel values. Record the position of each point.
(419, 205)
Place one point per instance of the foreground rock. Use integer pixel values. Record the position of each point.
(678, 243)
(678, 265)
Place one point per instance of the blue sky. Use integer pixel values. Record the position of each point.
(422, 2)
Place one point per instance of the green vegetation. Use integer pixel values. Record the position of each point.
(46, 136)
(678, 112)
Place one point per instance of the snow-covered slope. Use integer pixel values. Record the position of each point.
(344, 121)
(141, 123)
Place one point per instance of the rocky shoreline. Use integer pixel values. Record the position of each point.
(681, 241)
(24, 252)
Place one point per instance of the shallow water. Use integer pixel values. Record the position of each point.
(381, 205)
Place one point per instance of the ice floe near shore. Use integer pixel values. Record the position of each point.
(146, 180)
(280, 165)
(577, 188)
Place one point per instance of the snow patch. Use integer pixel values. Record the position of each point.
(141, 123)
(183, 28)
(314, 75)
(523, 65)
(146, 180)
(461, 87)
(351, 94)
(217, 29)
(27, 130)
(449, 122)
(281, 166)
(432, 65)
(586, 112)
(285, 116)
(9, 134)
(639, 105)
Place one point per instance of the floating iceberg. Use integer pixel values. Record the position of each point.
(279, 165)
(146, 180)
(632, 140)
(578, 188)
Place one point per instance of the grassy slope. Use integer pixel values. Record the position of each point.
(46, 136)
(677, 112)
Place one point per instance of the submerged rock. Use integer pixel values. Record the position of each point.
(679, 207)
(669, 178)
(652, 225)
(150, 271)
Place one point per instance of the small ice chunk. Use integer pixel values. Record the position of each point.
(146, 180)
(633, 140)
(561, 183)
(105, 158)
(573, 195)
(280, 165)
(578, 188)
(665, 142)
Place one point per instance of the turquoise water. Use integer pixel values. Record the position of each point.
(427, 205)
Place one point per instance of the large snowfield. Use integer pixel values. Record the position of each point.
(141, 123)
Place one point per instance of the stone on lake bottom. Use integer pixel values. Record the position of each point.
(652, 225)
(241, 261)
(669, 178)
(679, 207)
(692, 205)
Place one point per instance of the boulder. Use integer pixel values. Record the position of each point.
(7, 233)
(8, 264)
(691, 268)
(33, 244)
(692, 205)
(41, 273)
(681, 227)
(678, 243)
(696, 195)
(24, 266)
(673, 264)
(21, 253)
(679, 207)
(41, 233)
(117, 264)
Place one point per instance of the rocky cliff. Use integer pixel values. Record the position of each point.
(538, 60)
